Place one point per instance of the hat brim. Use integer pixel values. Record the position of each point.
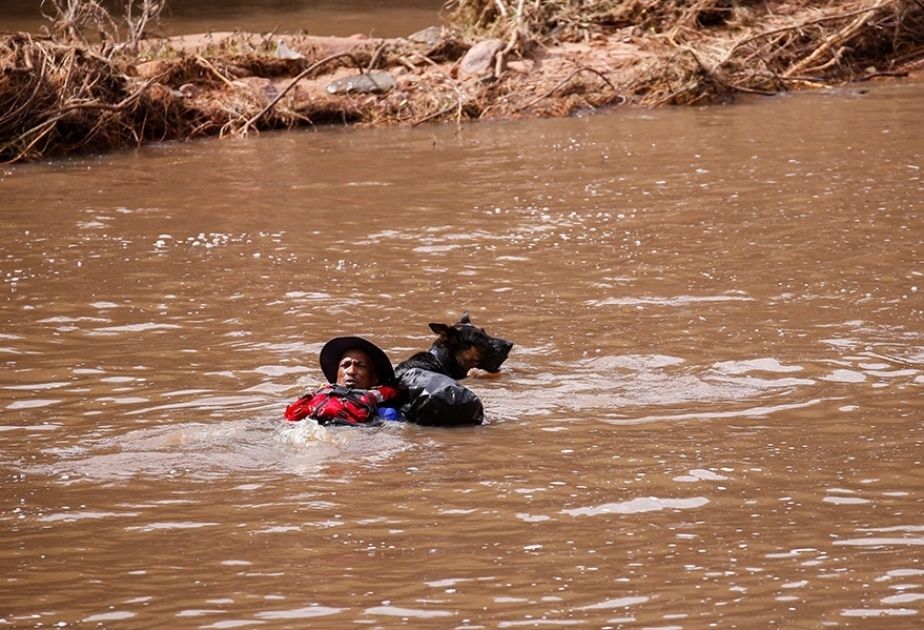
(333, 350)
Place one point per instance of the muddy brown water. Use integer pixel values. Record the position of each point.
(713, 415)
(378, 18)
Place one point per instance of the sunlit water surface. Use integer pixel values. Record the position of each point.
(712, 416)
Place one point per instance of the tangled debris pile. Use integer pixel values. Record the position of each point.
(704, 51)
(64, 91)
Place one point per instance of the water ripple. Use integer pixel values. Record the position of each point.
(639, 505)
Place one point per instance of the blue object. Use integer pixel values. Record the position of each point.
(387, 413)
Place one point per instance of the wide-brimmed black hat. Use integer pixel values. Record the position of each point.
(333, 351)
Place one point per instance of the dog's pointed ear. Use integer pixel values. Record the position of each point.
(443, 330)
(465, 319)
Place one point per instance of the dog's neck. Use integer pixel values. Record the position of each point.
(448, 361)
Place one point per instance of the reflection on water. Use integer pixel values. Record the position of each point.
(712, 414)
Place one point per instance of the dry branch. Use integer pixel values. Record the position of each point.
(304, 73)
(564, 82)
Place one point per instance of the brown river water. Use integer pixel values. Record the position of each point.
(712, 417)
(379, 18)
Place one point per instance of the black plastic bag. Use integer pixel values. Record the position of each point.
(437, 400)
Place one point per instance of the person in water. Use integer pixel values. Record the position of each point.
(361, 386)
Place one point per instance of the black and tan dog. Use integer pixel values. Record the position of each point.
(458, 349)
(429, 378)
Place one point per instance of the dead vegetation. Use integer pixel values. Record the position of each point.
(709, 49)
(94, 82)
(87, 22)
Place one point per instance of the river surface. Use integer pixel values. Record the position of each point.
(378, 18)
(712, 417)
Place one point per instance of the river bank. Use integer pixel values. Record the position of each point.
(60, 94)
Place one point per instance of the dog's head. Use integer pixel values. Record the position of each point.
(471, 346)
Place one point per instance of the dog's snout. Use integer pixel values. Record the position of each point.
(502, 346)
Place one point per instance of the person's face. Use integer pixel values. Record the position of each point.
(356, 370)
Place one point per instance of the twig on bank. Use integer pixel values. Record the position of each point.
(434, 115)
(748, 90)
(801, 25)
(455, 86)
(564, 81)
(873, 75)
(375, 56)
(834, 40)
(301, 75)
(501, 58)
(208, 65)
